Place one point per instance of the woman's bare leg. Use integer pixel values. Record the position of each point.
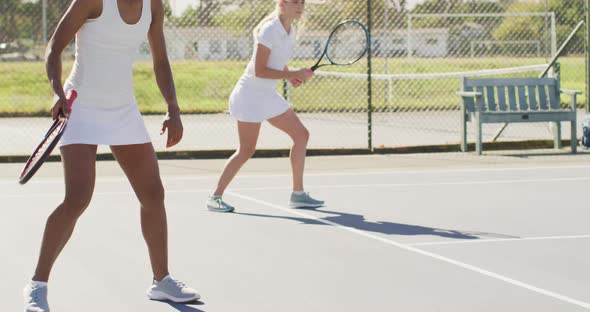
(248, 133)
(140, 164)
(290, 124)
(79, 173)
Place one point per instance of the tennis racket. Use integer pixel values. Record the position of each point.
(348, 43)
(48, 143)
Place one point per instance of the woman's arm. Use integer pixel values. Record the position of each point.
(164, 74)
(76, 15)
(261, 69)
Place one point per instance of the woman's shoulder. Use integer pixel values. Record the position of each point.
(269, 26)
(93, 8)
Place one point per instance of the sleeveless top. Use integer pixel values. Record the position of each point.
(105, 49)
(106, 111)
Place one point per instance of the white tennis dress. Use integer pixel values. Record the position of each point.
(106, 112)
(256, 99)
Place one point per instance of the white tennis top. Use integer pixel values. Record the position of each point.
(106, 111)
(256, 99)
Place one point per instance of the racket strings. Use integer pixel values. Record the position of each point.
(347, 44)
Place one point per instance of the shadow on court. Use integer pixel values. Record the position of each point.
(359, 222)
(184, 307)
(580, 155)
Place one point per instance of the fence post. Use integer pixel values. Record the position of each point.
(44, 20)
(369, 93)
(587, 47)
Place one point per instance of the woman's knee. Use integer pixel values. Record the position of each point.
(153, 195)
(75, 205)
(246, 152)
(302, 136)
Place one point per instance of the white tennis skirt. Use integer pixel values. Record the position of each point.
(98, 126)
(256, 104)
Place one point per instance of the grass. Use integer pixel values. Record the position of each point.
(205, 86)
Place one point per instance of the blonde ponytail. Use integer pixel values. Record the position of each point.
(299, 24)
(268, 18)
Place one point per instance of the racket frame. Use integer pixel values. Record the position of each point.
(325, 52)
(35, 161)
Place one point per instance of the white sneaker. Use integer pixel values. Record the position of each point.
(215, 203)
(35, 298)
(304, 201)
(173, 290)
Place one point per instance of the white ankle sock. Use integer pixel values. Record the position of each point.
(165, 277)
(298, 192)
(38, 284)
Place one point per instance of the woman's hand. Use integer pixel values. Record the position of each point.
(296, 82)
(60, 108)
(173, 124)
(303, 74)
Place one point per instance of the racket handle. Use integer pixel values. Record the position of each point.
(71, 97)
(314, 67)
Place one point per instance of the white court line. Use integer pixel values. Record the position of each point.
(336, 186)
(499, 240)
(317, 174)
(130, 192)
(421, 252)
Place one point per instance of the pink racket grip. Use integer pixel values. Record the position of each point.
(71, 97)
(309, 70)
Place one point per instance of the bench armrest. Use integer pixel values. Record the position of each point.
(468, 93)
(573, 94)
(570, 92)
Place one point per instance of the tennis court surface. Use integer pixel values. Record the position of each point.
(429, 232)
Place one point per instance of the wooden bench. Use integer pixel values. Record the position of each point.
(506, 100)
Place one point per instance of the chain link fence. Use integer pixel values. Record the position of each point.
(419, 53)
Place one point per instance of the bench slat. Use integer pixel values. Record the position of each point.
(512, 98)
(491, 99)
(502, 98)
(522, 98)
(554, 98)
(532, 97)
(543, 97)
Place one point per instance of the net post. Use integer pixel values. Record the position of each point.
(285, 90)
(369, 93)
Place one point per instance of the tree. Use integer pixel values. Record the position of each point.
(19, 20)
(10, 14)
(568, 14)
(55, 10)
(203, 15)
(168, 16)
(245, 16)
